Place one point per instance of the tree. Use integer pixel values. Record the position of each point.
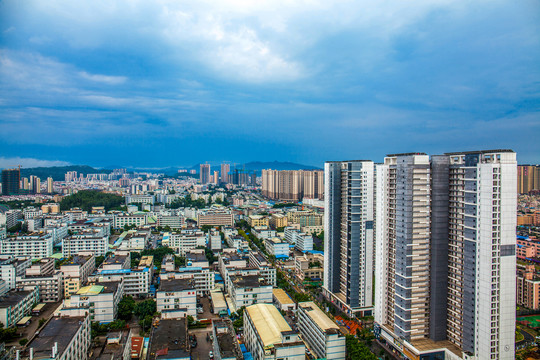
(86, 199)
(146, 322)
(145, 308)
(125, 308)
(7, 334)
(23, 342)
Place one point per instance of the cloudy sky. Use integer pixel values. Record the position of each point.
(171, 83)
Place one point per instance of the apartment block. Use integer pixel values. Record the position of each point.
(177, 295)
(215, 218)
(120, 220)
(35, 245)
(268, 336)
(76, 272)
(90, 241)
(246, 290)
(225, 344)
(528, 177)
(100, 300)
(16, 304)
(292, 185)
(528, 287)
(349, 233)
(321, 335)
(446, 254)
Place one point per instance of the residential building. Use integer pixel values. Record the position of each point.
(10, 181)
(177, 294)
(197, 258)
(205, 173)
(309, 267)
(203, 278)
(16, 304)
(528, 178)
(120, 220)
(249, 289)
(134, 240)
(214, 240)
(282, 300)
(257, 221)
(140, 199)
(62, 338)
(277, 221)
(292, 185)
(215, 218)
(99, 299)
(169, 340)
(172, 221)
(304, 218)
(184, 240)
(276, 247)
(528, 287)
(321, 335)
(43, 275)
(446, 254)
(225, 344)
(349, 236)
(266, 269)
(136, 281)
(34, 245)
(50, 188)
(11, 267)
(90, 241)
(76, 272)
(268, 336)
(225, 169)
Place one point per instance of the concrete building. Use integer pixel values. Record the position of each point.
(266, 269)
(528, 178)
(249, 289)
(309, 267)
(85, 242)
(214, 240)
(282, 300)
(169, 340)
(268, 336)
(134, 240)
(76, 272)
(277, 247)
(43, 275)
(62, 338)
(349, 236)
(277, 221)
(35, 245)
(446, 254)
(203, 278)
(528, 287)
(172, 221)
(292, 185)
(215, 218)
(140, 199)
(10, 181)
(304, 218)
(11, 267)
(100, 300)
(225, 169)
(16, 304)
(321, 335)
(177, 294)
(120, 220)
(257, 221)
(225, 344)
(204, 173)
(184, 240)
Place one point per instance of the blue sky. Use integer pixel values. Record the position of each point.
(173, 83)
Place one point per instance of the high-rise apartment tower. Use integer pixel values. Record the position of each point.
(349, 235)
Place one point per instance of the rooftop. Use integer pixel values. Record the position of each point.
(77, 260)
(226, 339)
(169, 340)
(13, 297)
(176, 285)
(282, 296)
(59, 330)
(247, 281)
(268, 323)
(116, 259)
(318, 316)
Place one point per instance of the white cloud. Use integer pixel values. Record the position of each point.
(29, 162)
(111, 80)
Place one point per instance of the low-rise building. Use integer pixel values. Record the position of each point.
(215, 218)
(51, 286)
(120, 220)
(85, 242)
(16, 304)
(169, 340)
(62, 338)
(35, 245)
(278, 221)
(172, 221)
(11, 267)
(76, 271)
(321, 335)
(246, 290)
(258, 261)
(257, 221)
(268, 336)
(214, 240)
(309, 267)
(177, 294)
(203, 278)
(528, 287)
(282, 300)
(197, 258)
(134, 240)
(277, 247)
(99, 299)
(225, 344)
(185, 240)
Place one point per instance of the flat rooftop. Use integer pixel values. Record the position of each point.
(195, 256)
(59, 330)
(117, 259)
(12, 298)
(247, 281)
(170, 340)
(78, 260)
(176, 285)
(226, 339)
(282, 296)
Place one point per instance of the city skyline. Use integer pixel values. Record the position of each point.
(119, 83)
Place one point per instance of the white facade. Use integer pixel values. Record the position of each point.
(268, 336)
(321, 335)
(100, 300)
(177, 294)
(276, 247)
(136, 281)
(36, 246)
(247, 290)
(51, 287)
(203, 279)
(16, 304)
(185, 240)
(72, 245)
(130, 219)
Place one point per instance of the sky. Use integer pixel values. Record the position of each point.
(174, 83)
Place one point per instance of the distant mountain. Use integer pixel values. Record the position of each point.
(58, 172)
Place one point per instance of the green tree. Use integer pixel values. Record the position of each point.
(126, 306)
(7, 334)
(86, 199)
(146, 322)
(23, 342)
(145, 308)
